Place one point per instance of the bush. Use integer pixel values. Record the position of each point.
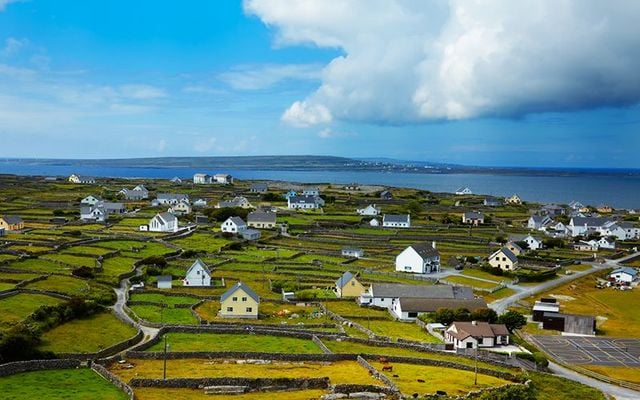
(157, 261)
(20, 343)
(536, 357)
(192, 253)
(83, 272)
(513, 320)
(271, 197)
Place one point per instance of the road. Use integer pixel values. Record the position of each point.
(618, 392)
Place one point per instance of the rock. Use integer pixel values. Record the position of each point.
(366, 395)
(334, 396)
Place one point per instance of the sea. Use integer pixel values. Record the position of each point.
(621, 190)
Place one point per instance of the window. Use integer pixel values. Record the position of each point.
(244, 299)
(353, 283)
(249, 309)
(229, 309)
(234, 299)
(413, 314)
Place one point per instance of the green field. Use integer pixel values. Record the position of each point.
(16, 308)
(67, 384)
(229, 342)
(166, 315)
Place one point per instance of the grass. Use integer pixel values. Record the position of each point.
(395, 330)
(87, 335)
(478, 273)
(201, 241)
(69, 285)
(162, 299)
(498, 294)
(350, 308)
(230, 342)
(463, 280)
(629, 374)
(452, 381)
(198, 394)
(16, 308)
(270, 313)
(36, 264)
(550, 387)
(168, 315)
(67, 384)
(338, 372)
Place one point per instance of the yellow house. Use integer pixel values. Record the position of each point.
(348, 286)
(515, 199)
(504, 259)
(11, 223)
(239, 302)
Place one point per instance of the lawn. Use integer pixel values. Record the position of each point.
(198, 394)
(550, 387)
(87, 335)
(67, 384)
(162, 299)
(463, 280)
(270, 313)
(230, 342)
(66, 284)
(350, 308)
(395, 330)
(201, 241)
(629, 374)
(166, 315)
(36, 264)
(16, 308)
(88, 261)
(478, 273)
(452, 381)
(338, 372)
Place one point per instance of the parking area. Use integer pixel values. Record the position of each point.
(591, 350)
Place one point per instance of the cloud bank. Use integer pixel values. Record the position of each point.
(417, 61)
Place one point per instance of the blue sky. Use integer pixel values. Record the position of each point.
(445, 81)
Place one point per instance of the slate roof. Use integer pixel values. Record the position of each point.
(303, 199)
(432, 305)
(164, 278)
(242, 286)
(477, 329)
(197, 263)
(626, 270)
(172, 196)
(508, 253)
(397, 218)
(166, 217)
(589, 221)
(261, 216)
(237, 220)
(396, 290)
(344, 279)
(12, 219)
(473, 215)
(425, 250)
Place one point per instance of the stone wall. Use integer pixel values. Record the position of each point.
(251, 384)
(103, 372)
(36, 365)
(377, 374)
(322, 346)
(238, 355)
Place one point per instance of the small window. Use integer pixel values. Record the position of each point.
(234, 299)
(249, 309)
(229, 309)
(244, 299)
(353, 283)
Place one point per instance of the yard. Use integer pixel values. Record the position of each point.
(229, 342)
(166, 315)
(476, 283)
(395, 330)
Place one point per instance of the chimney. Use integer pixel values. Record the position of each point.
(433, 244)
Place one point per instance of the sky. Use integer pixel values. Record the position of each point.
(542, 83)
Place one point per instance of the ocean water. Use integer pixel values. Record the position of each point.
(621, 191)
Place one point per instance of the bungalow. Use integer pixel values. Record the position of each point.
(396, 221)
(492, 202)
(386, 195)
(290, 194)
(475, 334)
(369, 210)
(532, 242)
(556, 230)
(137, 193)
(463, 191)
(583, 245)
(582, 226)
(197, 275)
(238, 201)
(311, 191)
(175, 180)
(171, 198)
(305, 202)
(261, 220)
(95, 213)
(200, 203)
(408, 309)
(474, 218)
(233, 225)
(353, 252)
(202, 179)
(504, 259)
(421, 258)
(162, 222)
(606, 242)
(114, 208)
(88, 180)
(515, 200)
(352, 187)
(182, 208)
(624, 275)
(223, 179)
(383, 294)
(239, 302)
(91, 200)
(631, 231)
(11, 223)
(250, 234)
(348, 286)
(576, 205)
(259, 188)
(538, 222)
(164, 281)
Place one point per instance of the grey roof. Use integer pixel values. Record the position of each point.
(625, 225)
(508, 253)
(515, 246)
(244, 287)
(344, 279)
(171, 196)
(425, 250)
(164, 278)
(627, 270)
(303, 199)
(166, 217)
(540, 218)
(589, 221)
(113, 206)
(199, 262)
(261, 216)
(395, 290)
(237, 220)
(399, 218)
(473, 215)
(12, 219)
(521, 238)
(431, 305)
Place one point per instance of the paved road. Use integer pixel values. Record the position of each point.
(618, 392)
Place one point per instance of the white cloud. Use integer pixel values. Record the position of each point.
(414, 61)
(4, 3)
(142, 92)
(303, 114)
(204, 146)
(13, 45)
(265, 76)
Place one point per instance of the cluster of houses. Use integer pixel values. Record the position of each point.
(205, 179)
(95, 209)
(309, 198)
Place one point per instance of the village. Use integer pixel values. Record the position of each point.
(195, 287)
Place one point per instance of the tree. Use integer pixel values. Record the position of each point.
(271, 197)
(445, 316)
(413, 207)
(513, 320)
(484, 314)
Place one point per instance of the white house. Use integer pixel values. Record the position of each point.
(305, 202)
(624, 275)
(175, 180)
(233, 225)
(369, 210)
(95, 213)
(492, 202)
(532, 242)
(137, 193)
(515, 200)
(201, 179)
(261, 219)
(170, 198)
(73, 178)
(164, 281)
(504, 259)
(421, 258)
(162, 222)
(409, 309)
(473, 218)
(383, 294)
(586, 225)
(259, 188)
(583, 245)
(197, 275)
(311, 191)
(396, 221)
(91, 200)
(238, 201)
(250, 234)
(374, 222)
(475, 334)
(223, 179)
(463, 191)
(606, 243)
(200, 203)
(182, 208)
(354, 252)
(538, 222)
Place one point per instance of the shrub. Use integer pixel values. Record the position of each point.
(83, 272)
(513, 320)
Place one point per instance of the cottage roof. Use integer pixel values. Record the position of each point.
(425, 250)
(477, 329)
(515, 246)
(396, 290)
(164, 278)
(259, 186)
(344, 279)
(172, 196)
(507, 253)
(12, 219)
(303, 199)
(589, 221)
(626, 270)
(237, 221)
(261, 216)
(166, 217)
(473, 215)
(397, 218)
(199, 264)
(242, 286)
(432, 305)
